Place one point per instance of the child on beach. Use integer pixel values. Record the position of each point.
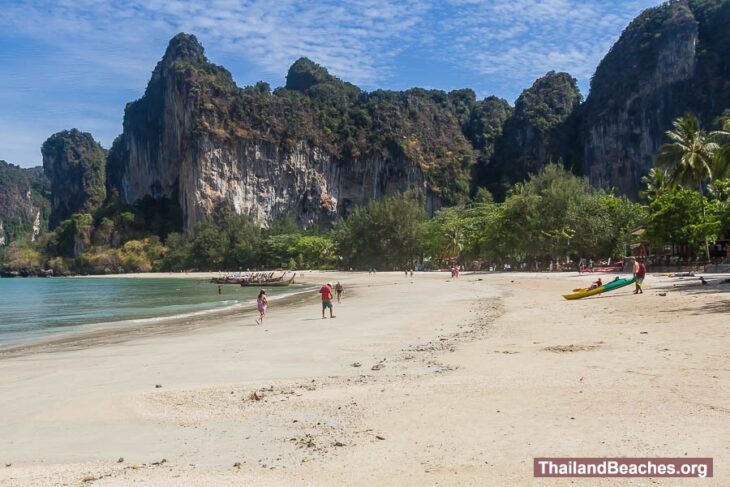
(596, 284)
(339, 290)
(261, 304)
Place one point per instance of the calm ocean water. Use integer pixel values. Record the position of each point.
(36, 308)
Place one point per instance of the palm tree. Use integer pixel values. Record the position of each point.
(454, 244)
(655, 183)
(721, 162)
(688, 158)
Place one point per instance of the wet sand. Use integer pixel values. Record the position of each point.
(416, 382)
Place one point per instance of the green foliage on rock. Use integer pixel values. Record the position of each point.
(486, 122)
(636, 54)
(21, 256)
(75, 164)
(535, 133)
(424, 127)
(24, 194)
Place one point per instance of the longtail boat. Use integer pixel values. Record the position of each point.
(271, 283)
(257, 278)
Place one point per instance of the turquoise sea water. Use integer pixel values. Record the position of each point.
(36, 308)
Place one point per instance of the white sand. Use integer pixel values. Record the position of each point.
(478, 377)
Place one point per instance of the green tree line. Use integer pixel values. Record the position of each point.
(552, 216)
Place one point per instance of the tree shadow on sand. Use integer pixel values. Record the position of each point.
(719, 306)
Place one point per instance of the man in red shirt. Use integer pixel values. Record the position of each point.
(326, 292)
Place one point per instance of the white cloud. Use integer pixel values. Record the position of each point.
(520, 40)
(96, 50)
(356, 40)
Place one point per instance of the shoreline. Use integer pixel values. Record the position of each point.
(103, 333)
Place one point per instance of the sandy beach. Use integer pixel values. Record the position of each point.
(417, 381)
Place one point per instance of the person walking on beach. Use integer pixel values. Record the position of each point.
(261, 304)
(640, 275)
(326, 292)
(339, 290)
(635, 266)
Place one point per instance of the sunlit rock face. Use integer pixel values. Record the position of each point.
(24, 203)
(198, 139)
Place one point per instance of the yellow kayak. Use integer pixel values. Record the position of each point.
(609, 286)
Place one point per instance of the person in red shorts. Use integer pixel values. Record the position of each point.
(326, 292)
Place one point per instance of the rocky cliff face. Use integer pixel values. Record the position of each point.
(670, 60)
(24, 203)
(75, 165)
(535, 133)
(319, 146)
(264, 181)
(312, 150)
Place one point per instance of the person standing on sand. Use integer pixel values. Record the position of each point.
(326, 292)
(261, 304)
(640, 275)
(339, 290)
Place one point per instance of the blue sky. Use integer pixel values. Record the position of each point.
(76, 63)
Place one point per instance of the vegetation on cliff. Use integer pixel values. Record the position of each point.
(428, 127)
(75, 164)
(670, 60)
(634, 58)
(24, 194)
(535, 133)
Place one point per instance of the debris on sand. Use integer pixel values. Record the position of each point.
(306, 442)
(256, 396)
(356, 364)
(158, 386)
(380, 437)
(120, 460)
(570, 348)
(379, 366)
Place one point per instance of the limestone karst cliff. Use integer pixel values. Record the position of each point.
(670, 60)
(75, 165)
(311, 150)
(319, 146)
(24, 202)
(535, 132)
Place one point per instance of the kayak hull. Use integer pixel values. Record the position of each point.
(609, 286)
